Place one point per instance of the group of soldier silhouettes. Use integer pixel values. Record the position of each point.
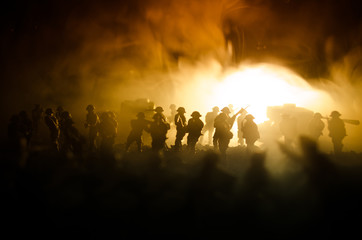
(217, 125)
(64, 136)
(102, 129)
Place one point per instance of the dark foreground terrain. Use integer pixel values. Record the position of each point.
(50, 195)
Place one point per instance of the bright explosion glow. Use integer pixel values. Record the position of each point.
(266, 85)
(255, 86)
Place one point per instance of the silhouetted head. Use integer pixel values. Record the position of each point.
(140, 115)
(195, 114)
(335, 114)
(249, 117)
(181, 110)
(90, 107)
(215, 109)
(173, 107)
(49, 111)
(318, 115)
(158, 109)
(226, 110)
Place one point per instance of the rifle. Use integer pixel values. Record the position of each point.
(349, 121)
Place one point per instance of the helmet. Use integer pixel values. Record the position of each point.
(181, 110)
(159, 109)
(225, 110)
(335, 114)
(317, 115)
(90, 107)
(140, 115)
(215, 109)
(195, 114)
(172, 106)
(49, 111)
(249, 117)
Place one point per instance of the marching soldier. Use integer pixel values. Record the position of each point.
(138, 126)
(58, 113)
(223, 124)
(180, 122)
(72, 138)
(159, 111)
(53, 125)
(337, 131)
(250, 131)
(316, 126)
(158, 131)
(194, 128)
(92, 122)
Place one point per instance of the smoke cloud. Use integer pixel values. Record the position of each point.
(74, 54)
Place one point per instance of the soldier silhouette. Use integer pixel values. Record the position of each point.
(288, 128)
(209, 124)
(137, 127)
(92, 123)
(113, 118)
(159, 111)
(316, 126)
(194, 128)
(73, 140)
(58, 113)
(36, 115)
(59, 116)
(158, 131)
(53, 125)
(337, 131)
(181, 124)
(223, 124)
(250, 131)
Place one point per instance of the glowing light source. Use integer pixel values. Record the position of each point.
(265, 85)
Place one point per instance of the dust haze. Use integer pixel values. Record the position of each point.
(173, 51)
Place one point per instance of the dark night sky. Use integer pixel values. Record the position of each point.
(55, 52)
